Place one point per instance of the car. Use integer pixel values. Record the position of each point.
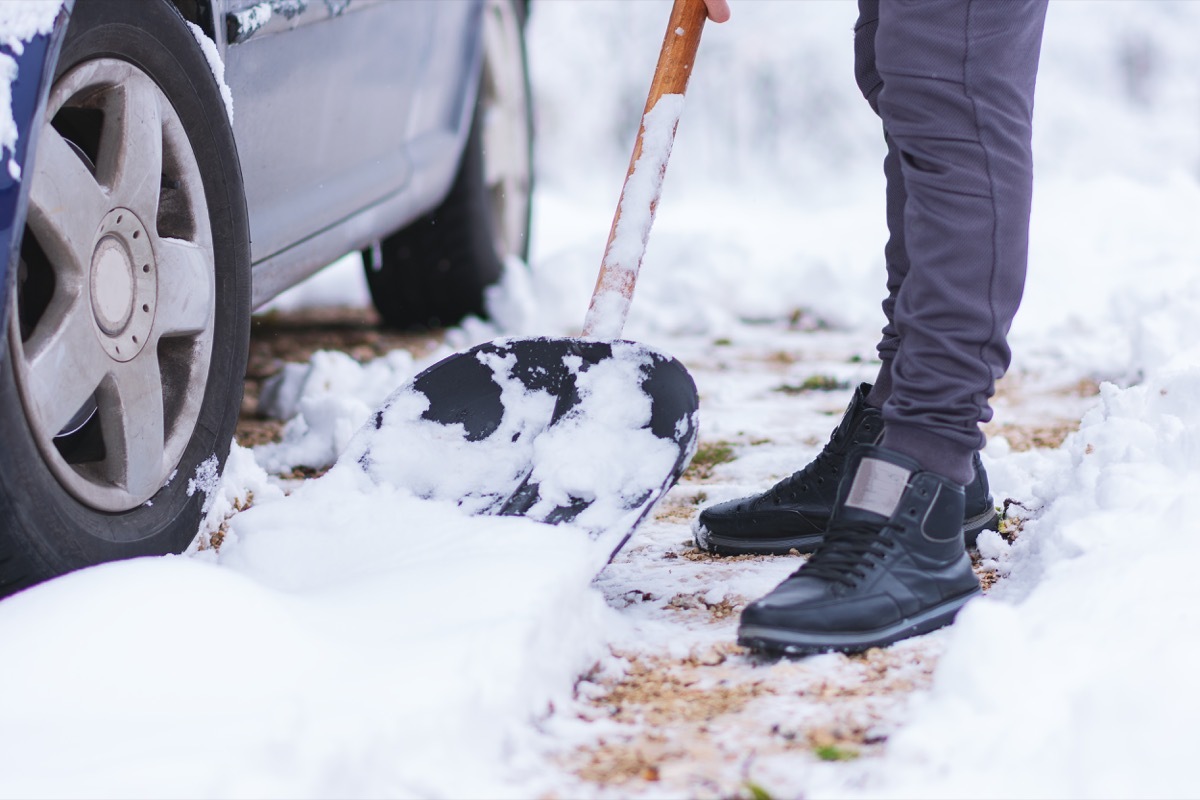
(179, 163)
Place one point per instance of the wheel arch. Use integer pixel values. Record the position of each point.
(198, 12)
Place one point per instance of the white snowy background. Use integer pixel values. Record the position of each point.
(349, 640)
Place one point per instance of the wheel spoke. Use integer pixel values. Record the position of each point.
(118, 287)
(185, 287)
(503, 96)
(66, 205)
(506, 174)
(507, 157)
(516, 212)
(131, 146)
(131, 417)
(64, 362)
(505, 129)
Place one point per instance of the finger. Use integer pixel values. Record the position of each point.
(718, 10)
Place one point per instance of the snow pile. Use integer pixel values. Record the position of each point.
(603, 451)
(325, 402)
(349, 640)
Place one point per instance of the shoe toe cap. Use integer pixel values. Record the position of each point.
(746, 518)
(809, 605)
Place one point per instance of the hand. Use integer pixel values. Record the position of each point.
(718, 10)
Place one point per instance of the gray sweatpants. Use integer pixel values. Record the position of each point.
(953, 83)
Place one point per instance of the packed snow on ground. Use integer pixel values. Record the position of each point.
(353, 639)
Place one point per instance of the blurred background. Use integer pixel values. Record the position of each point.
(773, 97)
(773, 205)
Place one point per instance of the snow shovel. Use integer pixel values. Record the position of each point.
(590, 431)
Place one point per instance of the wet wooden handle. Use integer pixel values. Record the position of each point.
(671, 75)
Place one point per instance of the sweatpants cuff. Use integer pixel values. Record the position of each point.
(934, 453)
(881, 390)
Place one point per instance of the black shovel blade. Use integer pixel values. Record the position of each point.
(586, 432)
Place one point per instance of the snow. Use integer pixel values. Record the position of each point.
(326, 401)
(351, 638)
(20, 21)
(207, 480)
(635, 216)
(249, 21)
(8, 125)
(211, 54)
(626, 463)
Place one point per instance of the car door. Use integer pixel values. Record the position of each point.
(323, 91)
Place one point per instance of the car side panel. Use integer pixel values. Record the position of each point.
(439, 133)
(443, 91)
(320, 114)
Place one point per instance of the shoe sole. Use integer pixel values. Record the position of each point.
(987, 520)
(787, 642)
(719, 545)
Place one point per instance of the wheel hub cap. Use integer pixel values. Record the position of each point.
(123, 284)
(112, 286)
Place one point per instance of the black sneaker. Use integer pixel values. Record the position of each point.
(892, 565)
(794, 513)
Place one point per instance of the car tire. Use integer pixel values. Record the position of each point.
(436, 271)
(129, 306)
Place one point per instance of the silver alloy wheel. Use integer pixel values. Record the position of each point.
(504, 97)
(124, 332)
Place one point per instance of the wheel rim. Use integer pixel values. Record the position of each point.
(504, 101)
(112, 320)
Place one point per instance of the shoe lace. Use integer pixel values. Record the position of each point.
(814, 473)
(825, 464)
(847, 551)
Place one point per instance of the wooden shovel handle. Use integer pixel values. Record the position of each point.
(614, 286)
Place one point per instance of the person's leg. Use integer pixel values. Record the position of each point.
(895, 254)
(956, 99)
(794, 513)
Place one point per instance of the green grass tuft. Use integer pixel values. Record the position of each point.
(814, 383)
(757, 792)
(831, 752)
(708, 456)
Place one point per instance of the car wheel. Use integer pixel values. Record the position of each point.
(435, 272)
(129, 305)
